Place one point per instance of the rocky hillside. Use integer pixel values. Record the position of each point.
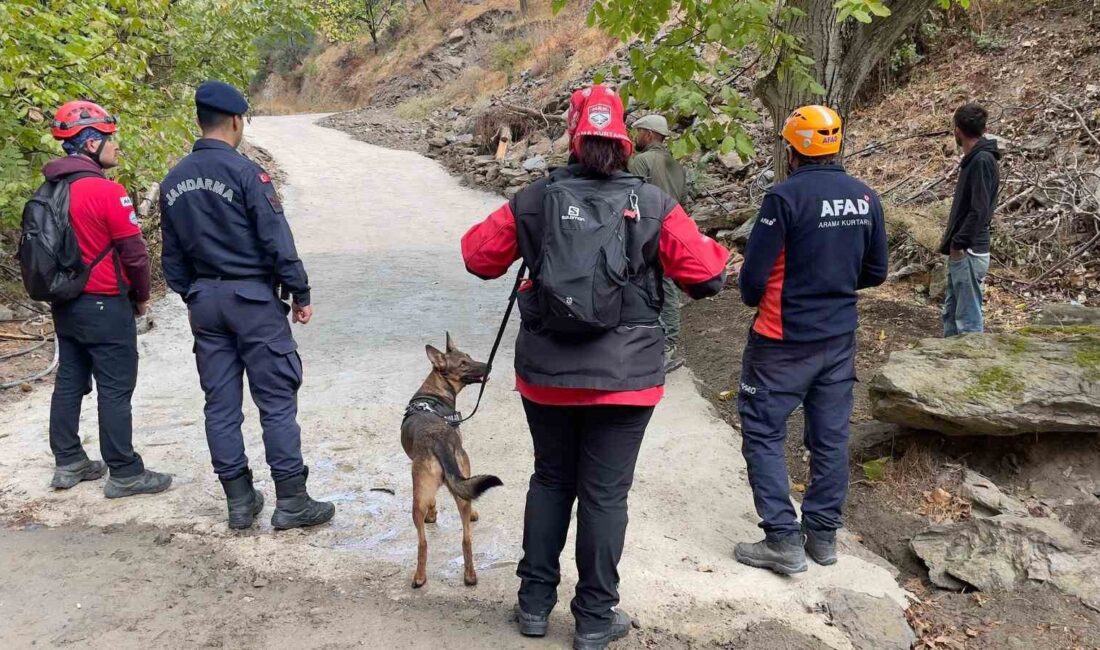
(1034, 63)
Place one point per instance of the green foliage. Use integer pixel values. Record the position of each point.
(507, 54)
(686, 55)
(875, 470)
(283, 48)
(994, 381)
(905, 56)
(140, 59)
(341, 21)
(987, 42)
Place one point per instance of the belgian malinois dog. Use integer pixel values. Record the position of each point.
(432, 440)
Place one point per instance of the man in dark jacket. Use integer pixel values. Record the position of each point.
(653, 162)
(227, 246)
(820, 237)
(96, 332)
(966, 240)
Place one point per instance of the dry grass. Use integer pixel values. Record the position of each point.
(918, 482)
(558, 47)
(924, 223)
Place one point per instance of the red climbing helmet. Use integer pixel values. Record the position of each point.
(75, 116)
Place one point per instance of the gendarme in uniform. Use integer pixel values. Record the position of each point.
(229, 252)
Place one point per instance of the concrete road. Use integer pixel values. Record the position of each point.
(379, 232)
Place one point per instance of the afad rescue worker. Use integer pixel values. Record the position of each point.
(227, 248)
(819, 238)
(589, 397)
(96, 332)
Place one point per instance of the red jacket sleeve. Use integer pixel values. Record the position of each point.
(122, 225)
(694, 261)
(490, 247)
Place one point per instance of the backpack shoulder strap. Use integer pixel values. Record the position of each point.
(75, 176)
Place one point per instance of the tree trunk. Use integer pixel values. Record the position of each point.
(843, 53)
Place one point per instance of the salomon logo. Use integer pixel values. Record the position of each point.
(574, 214)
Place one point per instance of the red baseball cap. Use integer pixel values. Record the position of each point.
(597, 111)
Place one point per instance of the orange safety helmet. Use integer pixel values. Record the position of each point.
(814, 131)
(75, 116)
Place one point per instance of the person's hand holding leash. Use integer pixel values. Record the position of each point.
(302, 314)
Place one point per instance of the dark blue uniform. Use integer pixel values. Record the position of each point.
(819, 238)
(227, 247)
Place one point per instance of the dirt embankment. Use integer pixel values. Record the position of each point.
(886, 513)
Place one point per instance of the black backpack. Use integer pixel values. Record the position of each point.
(49, 254)
(583, 265)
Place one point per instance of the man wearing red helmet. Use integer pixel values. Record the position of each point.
(96, 332)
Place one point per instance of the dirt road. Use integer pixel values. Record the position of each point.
(379, 231)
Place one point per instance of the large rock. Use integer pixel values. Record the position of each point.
(1068, 315)
(987, 498)
(1003, 552)
(869, 623)
(994, 384)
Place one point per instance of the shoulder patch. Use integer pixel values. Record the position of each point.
(125, 201)
(274, 201)
(133, 217)
(264, 178)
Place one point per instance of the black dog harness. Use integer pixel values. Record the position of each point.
(435, 406)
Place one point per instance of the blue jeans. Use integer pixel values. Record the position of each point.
(962, 305)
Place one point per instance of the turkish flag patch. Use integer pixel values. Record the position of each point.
(264, 178)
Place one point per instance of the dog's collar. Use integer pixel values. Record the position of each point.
(435, 406)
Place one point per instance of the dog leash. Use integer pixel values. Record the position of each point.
(496, 343)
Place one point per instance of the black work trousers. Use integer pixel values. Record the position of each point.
(585, 454)
(97, 338)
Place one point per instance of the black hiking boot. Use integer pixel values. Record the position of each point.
(820, 545)
(147, 482)
(68, 476)
(245, 501)
(531, 624)
(293, 506)
(619, 628)
(783, 555)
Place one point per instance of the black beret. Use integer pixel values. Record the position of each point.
(220, 96)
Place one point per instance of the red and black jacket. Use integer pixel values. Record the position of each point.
(819, 238)
(630, 358)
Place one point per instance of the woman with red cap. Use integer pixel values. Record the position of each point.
(590, 352)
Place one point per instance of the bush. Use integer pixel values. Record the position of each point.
(506, 56)
(140, 59)
(281, 50)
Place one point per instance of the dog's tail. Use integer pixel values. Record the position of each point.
(460, 486)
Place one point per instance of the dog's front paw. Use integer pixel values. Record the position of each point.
(470, 579)
(420, 581)
(474, 516)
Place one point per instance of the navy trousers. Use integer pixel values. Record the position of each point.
(239, 327)
(777, 376)
(97, 337)
(583, 454)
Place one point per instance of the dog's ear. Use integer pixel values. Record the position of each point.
(438, 359)
(451, 347)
